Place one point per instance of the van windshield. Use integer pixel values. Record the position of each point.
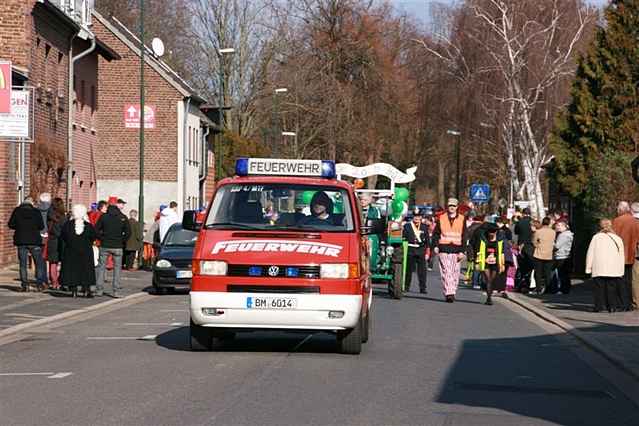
(281, 206)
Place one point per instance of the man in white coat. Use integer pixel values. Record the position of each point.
(168, 217)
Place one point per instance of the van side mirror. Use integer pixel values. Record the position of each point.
(189, 220)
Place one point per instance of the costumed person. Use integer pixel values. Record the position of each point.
(78, 261)
(368, 211)
(493, 257)
(450, 243)
(416, 234)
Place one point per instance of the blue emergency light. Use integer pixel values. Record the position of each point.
(284, 167)
(255, 271)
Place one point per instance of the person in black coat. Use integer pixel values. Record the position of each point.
(27, 223)
(416, 234)
(78, 263)
(113, 231)
(56, 219)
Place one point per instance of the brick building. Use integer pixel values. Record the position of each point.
(37, 36)
(174, 148)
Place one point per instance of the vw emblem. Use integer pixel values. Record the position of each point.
(273, 271)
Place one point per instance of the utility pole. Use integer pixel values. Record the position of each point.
(277, 129)
(220, 112)
(141, 193)
(457, 162)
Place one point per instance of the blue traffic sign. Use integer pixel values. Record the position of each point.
(479, 193)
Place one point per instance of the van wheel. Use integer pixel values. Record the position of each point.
(350, 341)
(201, 337)
(398, 291)
(367, 327)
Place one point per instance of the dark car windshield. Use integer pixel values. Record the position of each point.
(177, 236)
(281, 206)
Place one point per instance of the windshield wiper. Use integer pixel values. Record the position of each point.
(233, 224)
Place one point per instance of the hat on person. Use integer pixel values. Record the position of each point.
(417, 212)
(452, 202)
(490, 228)
(121, 201)
(113, 201)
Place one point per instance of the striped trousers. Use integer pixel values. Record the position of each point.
(450, 268)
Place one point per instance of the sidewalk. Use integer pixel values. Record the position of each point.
(19, 308)
(616, 336)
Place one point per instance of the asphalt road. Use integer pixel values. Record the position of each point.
(427, 363)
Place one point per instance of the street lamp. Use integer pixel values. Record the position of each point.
(457, 161)
(141, 179)
(220, 108)
(276, 120)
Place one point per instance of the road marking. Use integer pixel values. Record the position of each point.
(60, 375)
(299, 345)
(163, 324)
(26, 316)
(148, 337)
(174, 310)
(48, 373)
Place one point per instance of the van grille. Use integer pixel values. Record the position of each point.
(271, 289)
(311, 272)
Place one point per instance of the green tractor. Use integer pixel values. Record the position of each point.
(383, 224)
(388, 253)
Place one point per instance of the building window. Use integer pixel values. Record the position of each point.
(92, 99)
(82, 94)
(47, 50)
(188, 147)
(60, 76)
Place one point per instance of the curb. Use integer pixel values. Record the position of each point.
(570, 329)
(69, 314)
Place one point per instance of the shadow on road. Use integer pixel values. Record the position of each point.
(537, 377)
(178, 339)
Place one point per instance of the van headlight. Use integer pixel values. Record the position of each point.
(339, 270)
(334, 270)
(163, 263)
(213, 267)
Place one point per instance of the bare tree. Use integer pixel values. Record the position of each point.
(527, 53)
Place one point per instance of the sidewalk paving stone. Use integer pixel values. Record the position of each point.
(19, 308)
(615, 333)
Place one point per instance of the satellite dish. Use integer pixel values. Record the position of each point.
(158, 47)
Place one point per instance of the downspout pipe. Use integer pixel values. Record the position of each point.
(204, 161)
(72, 61)
(185, 134)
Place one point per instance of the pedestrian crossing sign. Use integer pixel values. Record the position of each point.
(480, 193)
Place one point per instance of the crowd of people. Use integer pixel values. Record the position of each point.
(523, 254)
(72, 250)
(501, 254)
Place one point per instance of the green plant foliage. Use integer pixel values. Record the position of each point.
(595, 138)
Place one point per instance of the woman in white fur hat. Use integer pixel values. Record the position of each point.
(78, 267)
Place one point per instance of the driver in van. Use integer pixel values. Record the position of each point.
(321, 210)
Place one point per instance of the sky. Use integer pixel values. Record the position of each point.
(419, 8)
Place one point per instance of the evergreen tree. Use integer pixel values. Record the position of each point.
(595, 138)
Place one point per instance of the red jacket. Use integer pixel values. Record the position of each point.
(627, 227)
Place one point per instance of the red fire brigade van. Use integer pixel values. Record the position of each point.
(281, 247)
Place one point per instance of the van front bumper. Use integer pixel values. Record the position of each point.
(311, 311)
